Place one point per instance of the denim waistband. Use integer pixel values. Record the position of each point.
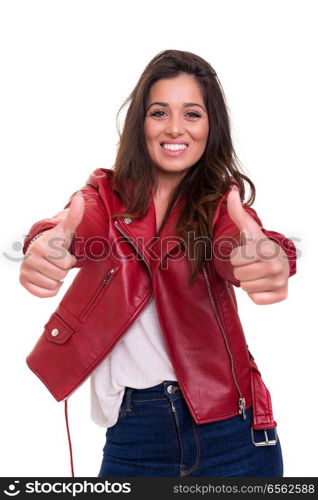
(166, 388)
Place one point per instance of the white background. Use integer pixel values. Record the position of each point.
(66, 67)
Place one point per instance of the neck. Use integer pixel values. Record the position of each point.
(166, 182)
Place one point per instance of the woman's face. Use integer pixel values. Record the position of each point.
(176, 125)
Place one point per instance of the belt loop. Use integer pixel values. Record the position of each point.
(128, 398)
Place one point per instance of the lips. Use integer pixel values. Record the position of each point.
(174, 152)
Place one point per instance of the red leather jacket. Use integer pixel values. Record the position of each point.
(121, 267)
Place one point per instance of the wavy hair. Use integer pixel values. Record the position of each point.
(205, 181)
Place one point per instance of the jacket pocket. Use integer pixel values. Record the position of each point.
(99, 292)
(57, 330)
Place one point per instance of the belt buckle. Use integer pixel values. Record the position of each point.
(267, 442)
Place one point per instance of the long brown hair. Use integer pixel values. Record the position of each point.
(205, 181)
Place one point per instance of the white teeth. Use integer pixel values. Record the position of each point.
(174, 147)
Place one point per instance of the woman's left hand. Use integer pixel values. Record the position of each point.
(260, 264)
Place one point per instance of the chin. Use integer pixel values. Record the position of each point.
(175, 169)
(173, 165)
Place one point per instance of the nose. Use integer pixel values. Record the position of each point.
(174, 126)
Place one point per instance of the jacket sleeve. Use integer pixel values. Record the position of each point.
(226, 236)
(89, 241)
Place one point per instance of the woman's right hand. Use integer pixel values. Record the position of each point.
(47, 260)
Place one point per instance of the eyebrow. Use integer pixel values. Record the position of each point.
(185, 104)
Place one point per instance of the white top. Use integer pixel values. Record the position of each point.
(140, 359)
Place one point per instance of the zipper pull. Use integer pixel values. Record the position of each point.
(108, 276)
(241, 405)
(173, 407)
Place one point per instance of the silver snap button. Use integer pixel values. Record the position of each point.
(127, 220)
(54, 332)
(171, 389)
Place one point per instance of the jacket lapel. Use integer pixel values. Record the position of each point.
(141, 233)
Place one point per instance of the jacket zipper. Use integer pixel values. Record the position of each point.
(241, 400)
(105, 281)
(120, 338)
(91, 303)
(230, 294)
(130, 241)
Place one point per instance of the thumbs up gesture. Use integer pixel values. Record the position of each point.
(48, 260)
(260, 264)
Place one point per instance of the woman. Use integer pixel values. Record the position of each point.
(160, 241)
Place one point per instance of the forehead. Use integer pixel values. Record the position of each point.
(181, 88)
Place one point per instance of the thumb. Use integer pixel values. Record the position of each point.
(72, 219)
(249, 228)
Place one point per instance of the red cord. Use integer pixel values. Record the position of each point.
(69, 438)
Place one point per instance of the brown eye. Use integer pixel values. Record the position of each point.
(194, 115)
(155, 113)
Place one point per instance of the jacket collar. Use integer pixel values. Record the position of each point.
(142, 232)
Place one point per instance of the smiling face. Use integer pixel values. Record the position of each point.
(176, 125)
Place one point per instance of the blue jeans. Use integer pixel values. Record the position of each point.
(155, 435)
